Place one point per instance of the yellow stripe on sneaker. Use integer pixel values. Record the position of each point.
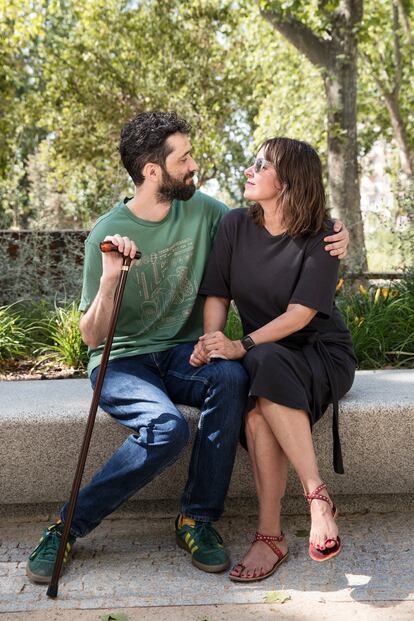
(68, 549)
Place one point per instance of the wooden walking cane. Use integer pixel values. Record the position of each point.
(105, 246)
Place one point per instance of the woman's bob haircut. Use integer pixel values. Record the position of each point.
(302, 198)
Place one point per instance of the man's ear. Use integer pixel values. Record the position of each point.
(151, 171)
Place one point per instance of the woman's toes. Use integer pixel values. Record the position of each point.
(237, 570)
(251, 573)
(317, 542)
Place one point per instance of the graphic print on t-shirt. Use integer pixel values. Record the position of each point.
(167, 285)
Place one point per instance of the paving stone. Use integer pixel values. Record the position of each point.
(134, 562)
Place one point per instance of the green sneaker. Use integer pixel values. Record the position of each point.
(204, 544)
(41, 562)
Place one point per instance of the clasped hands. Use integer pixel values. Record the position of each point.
(215, 345)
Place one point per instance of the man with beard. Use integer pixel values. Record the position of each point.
(149, 369)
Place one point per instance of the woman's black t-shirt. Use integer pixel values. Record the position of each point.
(264, 273)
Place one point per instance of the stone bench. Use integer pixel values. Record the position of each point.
(42, 424)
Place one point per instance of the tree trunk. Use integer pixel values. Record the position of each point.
(341, 88)
(337, 58)
(400, 134)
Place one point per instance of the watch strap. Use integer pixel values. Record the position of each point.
(247, 342)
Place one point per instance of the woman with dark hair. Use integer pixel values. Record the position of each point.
(270, 260)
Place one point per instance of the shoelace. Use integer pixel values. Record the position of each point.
(208, 533)
(49, 543)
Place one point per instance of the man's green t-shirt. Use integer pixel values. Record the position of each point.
(160, 307)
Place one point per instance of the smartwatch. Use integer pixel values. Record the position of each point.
(247, 342)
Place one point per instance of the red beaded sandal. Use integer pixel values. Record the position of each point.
(316, 553)
(270, 541)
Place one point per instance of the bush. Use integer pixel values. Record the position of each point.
(41, 336)
(233, 329)
(60, 339)
(14, 333)
(381, 322)
(41, 266)
(380, 319)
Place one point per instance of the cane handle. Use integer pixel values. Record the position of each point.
(108, 246)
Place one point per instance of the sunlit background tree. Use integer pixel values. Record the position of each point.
(337, 73)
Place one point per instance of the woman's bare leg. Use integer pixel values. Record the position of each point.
(291, 429)
(269, 465)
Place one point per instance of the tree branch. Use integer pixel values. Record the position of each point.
(317, 50)
(356, 10)
(397, 48)
(382, 87)
(405, 20)
(322, 6)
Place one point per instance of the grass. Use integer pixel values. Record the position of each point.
(233, 329)
(14, 335)
(61, 343)
(50, 337)
(381, 322)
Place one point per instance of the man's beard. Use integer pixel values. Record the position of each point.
(172, 188)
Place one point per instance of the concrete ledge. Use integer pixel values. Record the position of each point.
(42, 425)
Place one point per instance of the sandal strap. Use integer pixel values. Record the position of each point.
(315, 495)
(270, 541)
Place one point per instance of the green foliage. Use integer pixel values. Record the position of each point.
(405, 232)
(14, 334)
(92, 65)
(276, 597)
(20, 104)
(380, 319)
(379, 73)
(38, 272)
(51, 336)
(288, 89)
(233, 329)
(72, 72)
(381, 322)
(61, 343)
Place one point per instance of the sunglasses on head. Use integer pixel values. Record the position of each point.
(260, 164)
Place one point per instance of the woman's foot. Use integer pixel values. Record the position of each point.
(324, 531)
(262, 559)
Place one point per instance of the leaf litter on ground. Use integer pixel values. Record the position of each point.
(276, 597)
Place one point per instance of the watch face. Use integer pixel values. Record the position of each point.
(247, 342)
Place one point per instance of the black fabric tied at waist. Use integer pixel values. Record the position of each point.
(316, 352)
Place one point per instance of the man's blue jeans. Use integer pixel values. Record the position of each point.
(139, 392)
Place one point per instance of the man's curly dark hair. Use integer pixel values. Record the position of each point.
(143, 140)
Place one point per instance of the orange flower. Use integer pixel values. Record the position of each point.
(385, 291)
(340, 284)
